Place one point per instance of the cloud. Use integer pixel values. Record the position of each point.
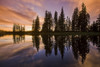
(8, 17)
(12, 16)
(34, 2)
(93, 6)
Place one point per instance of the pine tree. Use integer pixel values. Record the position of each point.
(47, 26)
(56, 21)
(61, 21)
(83, 19)
(75, 20)
(37, 25)
(98, 22)
(33, 26)
(14, 27)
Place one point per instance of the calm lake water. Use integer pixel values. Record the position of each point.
(49, 51)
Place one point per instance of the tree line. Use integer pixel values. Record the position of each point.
(18, 28)
(58, 23)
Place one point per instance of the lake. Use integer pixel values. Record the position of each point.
(50, 51)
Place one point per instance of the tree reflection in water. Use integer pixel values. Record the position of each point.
(47, 40)
(36, 41)
(78, 43)
(80, 47)
(18, 38)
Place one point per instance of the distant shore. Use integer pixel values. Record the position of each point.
(49, 33)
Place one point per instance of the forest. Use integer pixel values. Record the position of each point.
(80, 22)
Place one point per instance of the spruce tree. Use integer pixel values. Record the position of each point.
(83, 19)
(75, 20)
(47, 26)
(61, 21)
(56, 21)
(37, 25)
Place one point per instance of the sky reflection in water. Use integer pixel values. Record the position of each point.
(49, 51)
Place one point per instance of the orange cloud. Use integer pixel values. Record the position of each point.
(9, 17)
(93, 6)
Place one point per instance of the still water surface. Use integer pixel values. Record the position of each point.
(49, 51)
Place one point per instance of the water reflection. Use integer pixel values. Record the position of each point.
(47, 40)
(58, 50)
(79, 44)
(80, 47)
(36, 41)
(18, 38)
(96, 41)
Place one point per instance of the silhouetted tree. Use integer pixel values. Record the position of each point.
(94, 27)
(37, 25)
(83, 19)
(98, 22)
(75, 20)
(14, 26)
(61, 21)
(47, 26)
(33, 26)
(18, 28)
(56, 21)
(68, 24)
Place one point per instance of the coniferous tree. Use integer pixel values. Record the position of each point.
(47, 26)
(75, 20)
(95, 27)
(83, 19)
(14, 27)
(50, 22)
(61, 21)
(37, 25)
(56, 20)
(98, 22)
(33, 26)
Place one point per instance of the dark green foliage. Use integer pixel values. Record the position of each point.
(37, 25)
(95, 27)
(80, 20)
(48, 23)
(75, 20)
(98, 22)
(56, 21)
(83, 20)
(61, 21)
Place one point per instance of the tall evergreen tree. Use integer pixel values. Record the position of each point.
(47, 26)
(37, 25)
(75, 20)
(56, 20)
(14, 27)
(44, 27)
(61, 21)
(98, 22)
(83, 19)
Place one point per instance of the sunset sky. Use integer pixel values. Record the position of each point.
(24, 11)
